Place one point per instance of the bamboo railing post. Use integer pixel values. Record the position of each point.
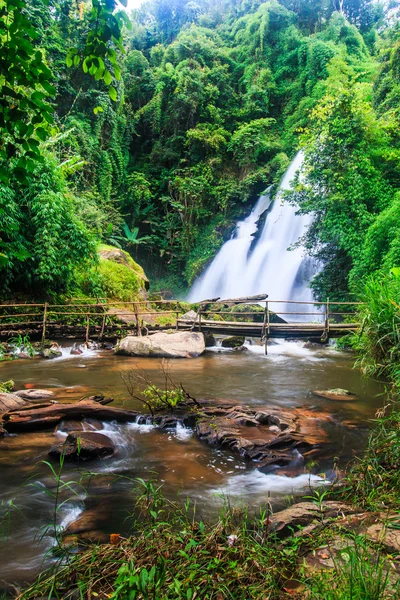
(267, 329)
(103, 324)
(44, 323)
(87, 328)
(138, 328)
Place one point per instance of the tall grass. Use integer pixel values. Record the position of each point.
(378, 344)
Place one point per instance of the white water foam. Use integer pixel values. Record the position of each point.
(66, 353)
(255, 482)
(183, 433)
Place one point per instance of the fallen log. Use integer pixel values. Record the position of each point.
(43, 417)
(244, 300)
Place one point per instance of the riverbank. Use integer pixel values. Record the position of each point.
(174, 457)
(339, 544)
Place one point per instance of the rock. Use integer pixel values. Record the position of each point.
(303, 513)
(163, 345)
(382, 533)
(24, 355)
(209, 340)
(32, 394)
(107, 346)
(2, 431)
(336, 394)
(189, 316)
(84, 445)
(233, 342)
(50, 353)
(314, 343)
(10, 402)
(76, 350)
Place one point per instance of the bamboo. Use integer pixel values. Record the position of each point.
(87, 328)
(19, 315)
(44, 323)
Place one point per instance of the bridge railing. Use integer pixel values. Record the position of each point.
(99, 317)
(83, 318)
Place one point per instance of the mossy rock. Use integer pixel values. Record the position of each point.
(233, 342)
(121, 277)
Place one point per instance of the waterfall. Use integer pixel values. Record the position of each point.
(246, 265)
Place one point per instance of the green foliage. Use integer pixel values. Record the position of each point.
(23, 344)
(166, 129)
(6, 386)
(379, 340)
(348, 181)
(25, 87)
(374, 478)
(159, 399)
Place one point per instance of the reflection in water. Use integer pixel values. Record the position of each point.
(185, 466)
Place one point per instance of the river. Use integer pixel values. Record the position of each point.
(185, 466)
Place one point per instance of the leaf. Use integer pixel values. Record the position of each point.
(41, 133)
(3, 260)
(113, 93)
(107, 77)
(98, 109)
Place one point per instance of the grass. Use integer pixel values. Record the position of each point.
(173, 555)
(374, 479)
(378, 344)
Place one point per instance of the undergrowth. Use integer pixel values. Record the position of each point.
(171, 555)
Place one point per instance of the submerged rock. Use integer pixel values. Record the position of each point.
(336, 394)
(84, 445)
(164, 345)
(50, 353)
(234, 341)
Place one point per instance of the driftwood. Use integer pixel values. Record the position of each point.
(42, 417)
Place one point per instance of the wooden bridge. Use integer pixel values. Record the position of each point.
(255, 316)
(306, 320)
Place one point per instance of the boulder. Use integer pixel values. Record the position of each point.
(32, 394)
(84, 445)
(233, 342)
(336, 394)
(163, 345)
(10, 402)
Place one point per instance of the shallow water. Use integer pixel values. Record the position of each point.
(185, 466)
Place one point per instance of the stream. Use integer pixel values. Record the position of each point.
(176, 458)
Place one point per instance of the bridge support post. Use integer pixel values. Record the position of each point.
(44, 324)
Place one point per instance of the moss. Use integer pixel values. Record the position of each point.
(116, 276)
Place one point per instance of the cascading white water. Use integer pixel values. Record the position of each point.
(244, 267)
